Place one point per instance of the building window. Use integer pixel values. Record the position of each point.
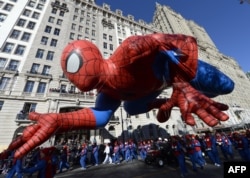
(54, 10)
(31, 25)
(39, 53)
(44, 40)
(93, 40)
(21, 22)
(8, 47)
(87, 22)
(15, 34)
(120, 41)
(36, 15)
(19, 50)
(1, 4)
(39, 7)
(104, 36)
(57, 31)
(80, 28)
(72, 89)
(87, 31)
(13, 65)
(86, 38)
(72, 36)
(27, 12)
(82, 12)
(53, 42)
(8, 7)
(105, 45)
(46, 70)
(76, 10)
(111, 47)
(105, 55)
(2, 62)
(26, 36)
(34, 68)
(110, 38)
(51, 19)
(88, 15)
(31, 4)
(74, 18)
(79, 37)
(154, 112)
(73, 26)
(61, 13)
(63, 88)
(59, 22)
(93, 32)
(1, 104)
(47, 29)
(2, 17)
(41, 87)
(29, 107)
(29, 86)
(50, 55)
(4, 83)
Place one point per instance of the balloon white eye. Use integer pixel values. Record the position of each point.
(74, 62)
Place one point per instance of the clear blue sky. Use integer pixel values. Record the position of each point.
(226, 21)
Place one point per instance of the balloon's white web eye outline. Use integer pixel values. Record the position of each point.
(74, 62)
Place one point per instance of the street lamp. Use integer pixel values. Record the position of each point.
(123, 136)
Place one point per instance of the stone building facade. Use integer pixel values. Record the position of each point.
(31, 43)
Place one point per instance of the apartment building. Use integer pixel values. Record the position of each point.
(33, 35)
(169, 21)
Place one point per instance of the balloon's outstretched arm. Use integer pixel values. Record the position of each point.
(48, 124)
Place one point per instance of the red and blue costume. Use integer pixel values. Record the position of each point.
(136, 74)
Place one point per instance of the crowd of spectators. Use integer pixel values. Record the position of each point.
(198, 149)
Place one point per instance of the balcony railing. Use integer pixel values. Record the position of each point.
(107, 23)
(114, 120)
(60, 6)
(71, 94)
(9, 70)
(39, 74)
(22, 118)
(63, 78)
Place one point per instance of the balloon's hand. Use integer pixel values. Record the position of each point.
(34, 135)
(191, 101)
(46, 125)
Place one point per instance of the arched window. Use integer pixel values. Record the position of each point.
(112, 131)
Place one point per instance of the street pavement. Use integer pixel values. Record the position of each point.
(138, 169)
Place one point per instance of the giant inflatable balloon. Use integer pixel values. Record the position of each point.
(137, 72)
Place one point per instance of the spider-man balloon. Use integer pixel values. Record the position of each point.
(138, 71)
